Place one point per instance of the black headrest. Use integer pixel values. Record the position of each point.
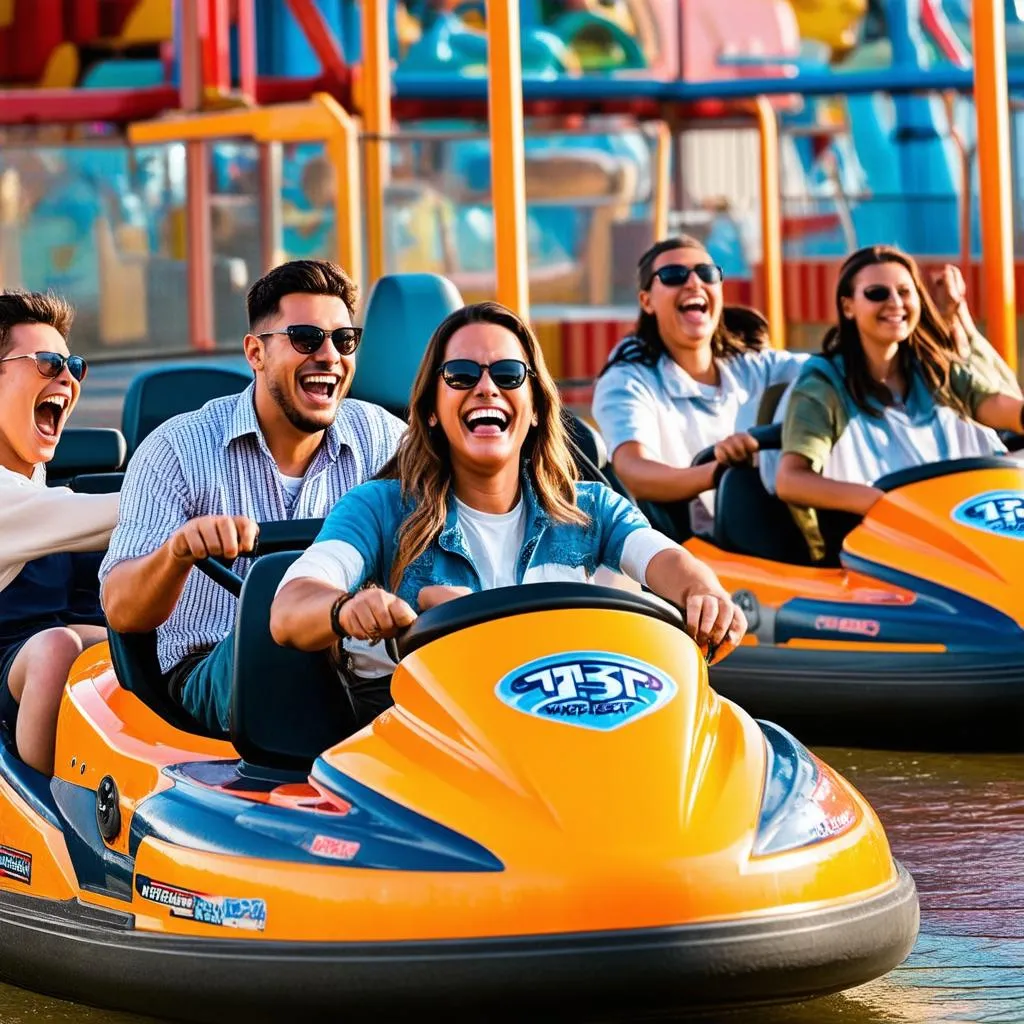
(287, 706)
(97, 483)
(586, 438)
(165, 391)
(87, 450)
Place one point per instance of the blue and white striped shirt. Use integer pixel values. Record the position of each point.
(216, 462)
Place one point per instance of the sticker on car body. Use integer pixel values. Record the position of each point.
(16, 864)
(592, 689)
(999, 512)
(223, 911)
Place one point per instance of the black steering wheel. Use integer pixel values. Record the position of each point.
(287, 535)
(474, 609)
(768, 437)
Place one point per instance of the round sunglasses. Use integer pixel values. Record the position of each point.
(51, 364)
(307, 339)
(463, 374)
(675, 274)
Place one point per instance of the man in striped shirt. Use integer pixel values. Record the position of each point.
(287, 447)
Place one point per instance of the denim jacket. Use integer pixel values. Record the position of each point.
(369, 518)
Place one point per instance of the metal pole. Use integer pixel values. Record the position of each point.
(271, 231)
(771, 221)
(991, 104)
(508, 179)
(198, 249)
(663, 179)
(343, 150)
(377, 120)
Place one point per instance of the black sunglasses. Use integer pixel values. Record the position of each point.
(463, 374)
(675, 274)
(307, 339)
(878, 293)
(51, 364)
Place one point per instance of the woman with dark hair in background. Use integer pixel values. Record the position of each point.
(693, 374)
(888, 392)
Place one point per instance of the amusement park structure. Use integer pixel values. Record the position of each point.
(354, 76)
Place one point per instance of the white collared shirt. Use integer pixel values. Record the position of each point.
(674, 416)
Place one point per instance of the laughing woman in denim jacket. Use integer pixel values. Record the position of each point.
(483, 493)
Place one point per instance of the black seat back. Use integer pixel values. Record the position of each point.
(138, 670)
(589, 451)
(86, 452)
(671, 518)
(287, 706)
(750, 521)
(165, 391)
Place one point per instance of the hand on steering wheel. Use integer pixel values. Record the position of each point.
(374, 614)
(735, 449)
(214, 537)
(715, 622)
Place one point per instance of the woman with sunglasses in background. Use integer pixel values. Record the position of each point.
(683, 381)
(39, 526)
(481, 494)
(888, 392)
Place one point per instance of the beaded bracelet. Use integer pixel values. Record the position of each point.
(336, 626)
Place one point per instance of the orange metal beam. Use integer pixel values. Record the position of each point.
(198, 235)
(376, 100)
(662, 199)
(771, 220)
(508, 178)
(992, 106)
(322, 119)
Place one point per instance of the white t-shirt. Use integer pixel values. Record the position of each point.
(36, 520)
(494, 540)
(292, 485)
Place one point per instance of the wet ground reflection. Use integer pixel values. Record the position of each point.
(957, 823)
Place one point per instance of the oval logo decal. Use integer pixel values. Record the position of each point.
(1000, 512)
(593, 689)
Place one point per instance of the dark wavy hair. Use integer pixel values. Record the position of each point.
(644, 345)
(930, 349)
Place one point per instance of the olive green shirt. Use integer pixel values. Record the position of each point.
(988, 365)
(816, 418)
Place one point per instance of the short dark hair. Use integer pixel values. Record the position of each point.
(309, 277)
(21, 307)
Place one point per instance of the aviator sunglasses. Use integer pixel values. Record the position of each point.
(51, 364)
(675, 274)
(878, 293)
(463, 374)
(307, 339)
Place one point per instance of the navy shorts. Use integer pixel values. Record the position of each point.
(8, 705)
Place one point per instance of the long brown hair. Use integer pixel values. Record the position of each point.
(422, 462)
(930, 348)
(644, 345)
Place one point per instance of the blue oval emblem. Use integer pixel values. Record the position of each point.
(999, 512)
(593, 689)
